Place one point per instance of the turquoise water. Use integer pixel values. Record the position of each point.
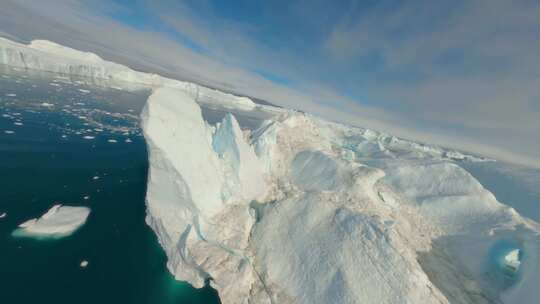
(45, 159)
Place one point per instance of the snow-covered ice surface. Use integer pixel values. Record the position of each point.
(295, 209)
(59, 221)
(336, 203)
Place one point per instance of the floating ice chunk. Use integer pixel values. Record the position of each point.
(3, 215)
(18, 123)
(84, 263)
(59, 221)
(9, 132)
(95, 177)
(86, 197)
(11, 95)
(128, 140)
(512, 260)
(112, 141)
(46, 104)
(84, 91)
(88, 137)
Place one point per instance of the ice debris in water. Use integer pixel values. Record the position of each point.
(59, 221)
(84, 263)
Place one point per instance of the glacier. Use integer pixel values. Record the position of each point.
(302, 210)
(59, 221)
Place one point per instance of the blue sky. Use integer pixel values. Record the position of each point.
(458, 73)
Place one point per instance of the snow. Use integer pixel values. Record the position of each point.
(59, 221)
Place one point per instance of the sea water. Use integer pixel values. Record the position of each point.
(71, 141)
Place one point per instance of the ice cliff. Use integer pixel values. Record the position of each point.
(47, 56)
(302, 210)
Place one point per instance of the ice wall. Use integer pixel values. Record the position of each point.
(48, 56)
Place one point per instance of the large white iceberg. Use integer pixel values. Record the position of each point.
(302, 240)
(293, 214)
(59, 221)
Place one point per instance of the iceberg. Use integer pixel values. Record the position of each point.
(59, 221)
(219, 213)
(307, 211)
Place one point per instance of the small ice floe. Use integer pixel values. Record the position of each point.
(47, 105)
(82, 117)
(54, 84)
(95, 177)
(512, 260)
(84, 263)
(86, 197)
(98, 129)
(112, 141)
(59, 221)
(84, 91)
(3, 215)
(18, 123)
(64, 136)
(9, 132)
(88, 137)
(6, 115)
(11, 95)
(128, 140)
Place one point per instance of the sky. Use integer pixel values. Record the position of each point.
(457, 73)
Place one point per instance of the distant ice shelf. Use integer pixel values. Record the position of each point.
(59, 221)
(48, 56)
